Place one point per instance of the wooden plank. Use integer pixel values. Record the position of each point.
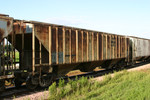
(33, 50)
(50, 46)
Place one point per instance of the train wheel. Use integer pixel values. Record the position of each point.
(30, 85)
(2, 85)
(45, 81)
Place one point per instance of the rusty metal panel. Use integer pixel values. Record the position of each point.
(141, 47)
(115, 47)
(80, 43)
(101, 45)
(113, 42)
(53, 49)
(20, 27)
(95, 46)
(125, 47)
(109, 47)
(6, 26)
(122, 47)
(118, 46)
(42, 33)
(90, 46)
(84, 46)
(67, 46)
(98, 46)
(104, 47)
(76, 45)
(60, 45)
(73, 46)
(64, 45)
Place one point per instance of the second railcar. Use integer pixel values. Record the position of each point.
(139, 49)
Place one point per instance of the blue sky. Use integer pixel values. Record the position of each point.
(126, 17)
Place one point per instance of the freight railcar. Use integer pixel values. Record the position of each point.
(139, 49)
(47, 51)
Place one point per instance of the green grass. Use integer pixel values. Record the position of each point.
(16, 56)
(123, 86)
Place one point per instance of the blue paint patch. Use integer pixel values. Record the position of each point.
(54, 57)
(60, 57)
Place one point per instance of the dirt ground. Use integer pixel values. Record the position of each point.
(44, 95)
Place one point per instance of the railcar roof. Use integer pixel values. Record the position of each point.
(76, 28)
(69, 27)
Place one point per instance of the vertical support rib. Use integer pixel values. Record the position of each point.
(116, 46)
(97, 46)
(14, 44)
(120, 47)
(93, 46)
(22, 54)
(12, 51)
(125, 47)
(63, 45)
(7, 53)
(70, 44)
(56, 45)
(76, 46)
(33, 50)
(40, 55)
(87, 46)
(3, 57)
(82, 44)
(40, 46)
(110, 46)
(106, 47)
(50, 45)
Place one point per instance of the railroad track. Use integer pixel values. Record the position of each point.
(12, 92)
